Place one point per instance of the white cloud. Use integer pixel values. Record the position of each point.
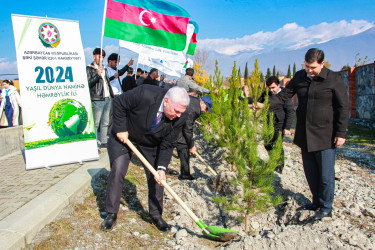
(8, 67)
(290, 36)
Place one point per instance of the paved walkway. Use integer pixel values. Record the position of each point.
(31, 199)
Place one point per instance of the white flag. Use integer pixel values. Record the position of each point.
(171, 68)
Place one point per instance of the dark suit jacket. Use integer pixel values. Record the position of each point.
(323, 110)
(128, 83)
(151, 81)
(193, 111)
(283, 114)
(135, 111)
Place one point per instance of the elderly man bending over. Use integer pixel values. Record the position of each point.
(151, 118)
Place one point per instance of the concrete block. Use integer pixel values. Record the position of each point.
(11, 240)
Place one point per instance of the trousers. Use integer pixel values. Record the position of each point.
(319, 167)
(183, 154)
(119, 168)
(101, 111)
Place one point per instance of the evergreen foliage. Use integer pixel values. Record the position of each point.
(294, 69)
(289, 74)
(262, 77)
(268, 73)
(345, 67)
(240, 129)
(274, 71)
(246, 74)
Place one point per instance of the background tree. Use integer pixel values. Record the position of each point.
(268, 73)
(345, 67)
(289, 74)
(201, 67)
(327, 64)
(294, 69)
(201, 76)
(274, 71)
(246, 74)
(359, 61)
(262, 77)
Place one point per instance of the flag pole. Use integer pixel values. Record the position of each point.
(137, 61)
(103, 25)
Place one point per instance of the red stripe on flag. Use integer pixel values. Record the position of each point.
(131, 14)
(194, 38)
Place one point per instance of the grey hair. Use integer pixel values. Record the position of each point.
(178, 95)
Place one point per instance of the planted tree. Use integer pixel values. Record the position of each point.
(239, 128)
(294, 69)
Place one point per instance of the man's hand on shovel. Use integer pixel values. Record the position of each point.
(161, 177)
(193, 150)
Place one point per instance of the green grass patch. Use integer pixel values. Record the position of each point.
(361, 135)
(62, 140)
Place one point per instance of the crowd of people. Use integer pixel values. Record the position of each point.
(158, 117)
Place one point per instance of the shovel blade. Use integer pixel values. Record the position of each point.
(220, 234)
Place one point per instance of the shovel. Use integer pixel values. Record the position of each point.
(205, 163)
(213, 232)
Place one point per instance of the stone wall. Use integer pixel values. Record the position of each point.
(365, 92)
(345, 77)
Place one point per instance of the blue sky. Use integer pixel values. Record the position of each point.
(227, 26)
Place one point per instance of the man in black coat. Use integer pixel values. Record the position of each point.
(185, 141)
(322, 122)
(151, 118)
(282, 116)
(128, 82)
(152, 78)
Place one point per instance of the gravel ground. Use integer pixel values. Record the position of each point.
(281, 227)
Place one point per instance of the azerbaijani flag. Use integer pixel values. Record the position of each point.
(193, 40)
(152, 22)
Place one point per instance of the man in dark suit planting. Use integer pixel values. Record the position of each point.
(151, 118)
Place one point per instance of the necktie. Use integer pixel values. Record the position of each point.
(157, 120)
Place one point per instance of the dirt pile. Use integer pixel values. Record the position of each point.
(285, 226)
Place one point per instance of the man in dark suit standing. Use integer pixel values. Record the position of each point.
(151, 118)
(322, 122)
(282, 116)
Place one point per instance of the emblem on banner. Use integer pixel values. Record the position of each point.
(49, 35)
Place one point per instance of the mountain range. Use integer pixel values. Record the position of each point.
(338, 52)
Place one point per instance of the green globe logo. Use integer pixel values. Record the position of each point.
(68, 117)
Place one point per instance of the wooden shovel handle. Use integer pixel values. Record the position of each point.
(155, 173)
(205, 163)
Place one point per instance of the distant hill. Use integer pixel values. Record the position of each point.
(338, 52)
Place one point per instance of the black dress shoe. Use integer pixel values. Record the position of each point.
(161, 224)
(109, 222)
(320, 215)
(186, 177)
(311, 207)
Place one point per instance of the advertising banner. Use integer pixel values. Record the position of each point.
(56, 105)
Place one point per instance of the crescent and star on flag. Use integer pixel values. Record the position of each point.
(142, 20)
